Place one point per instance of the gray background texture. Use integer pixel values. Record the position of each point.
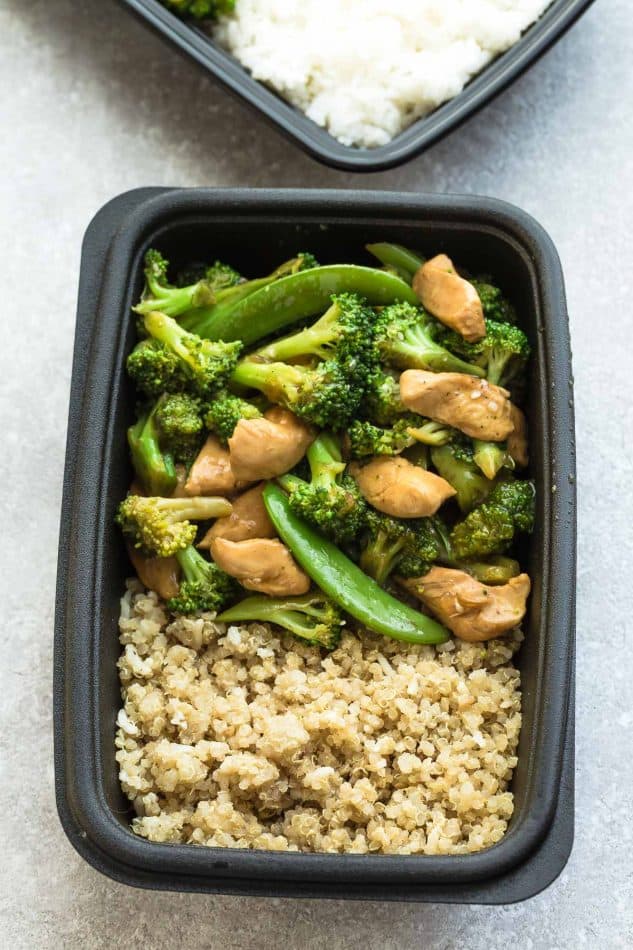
(93, 104)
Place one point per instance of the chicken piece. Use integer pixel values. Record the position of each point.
(399, 488)
(261, 564)
(248, 519)
(450, 298)
(475, 406)
(472, 610)
(211, 473)
(517, 444)
(268, 446)
(157, 573)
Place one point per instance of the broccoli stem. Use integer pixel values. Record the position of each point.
(380, 555)
(324, 458)
(309, 342)
(153, 467)
(491, 457)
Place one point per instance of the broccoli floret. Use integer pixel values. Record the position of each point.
(180, 425)
(224, 413)
(495, 570)
(343, 333)
(494, 304)
(390, 541)
(205, 364)
(367, 439)
(331, 499)
(382, 404)
(171, 300)
(162, 526)
(204, 586)
(410, 565)
(200, 9)
(454, 462)
(405, 338)
(326, 395)
(491, 527)
(502, 353)
(491, 457)
(221, 276)
(155, 369)
(154, 467)
(313, 617)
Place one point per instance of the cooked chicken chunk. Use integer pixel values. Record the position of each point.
(518, 438)
(248, 519)
(475, 406)
(261, 564)
(399, 488)
(158, 573)
(211, 473)
(473, 611)
(450, 298)
(268, 446)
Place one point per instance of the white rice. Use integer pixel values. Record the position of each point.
(366, 69)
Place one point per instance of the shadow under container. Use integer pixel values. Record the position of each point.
(254, 230)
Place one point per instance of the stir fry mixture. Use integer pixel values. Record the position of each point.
(331, 445)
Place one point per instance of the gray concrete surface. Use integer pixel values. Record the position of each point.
(92, 104)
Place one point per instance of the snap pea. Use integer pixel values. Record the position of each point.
(404, 261)
(294, 298)
(344, 582)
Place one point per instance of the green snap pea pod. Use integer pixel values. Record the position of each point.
(294, 298)
(344, 582)
(404, 261)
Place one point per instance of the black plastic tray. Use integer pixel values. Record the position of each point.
(254, 230)
(192, 41)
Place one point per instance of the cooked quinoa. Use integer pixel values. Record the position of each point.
(241, 737)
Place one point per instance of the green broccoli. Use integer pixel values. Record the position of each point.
(204, 586)
(367, 439)
(205, 364)
(502, 353)
(405, 338)
(407, 545)
(155, 370)
(180, 426)
(200, 9)
(313, 617)
(494, 304)
(491, 527)
(494, 570)
(154, 467)
(162, 526)
(331, 499)
(382, 404)
(221, 276)
(454, 462)
(491, 457)
(224, 413)
(343, 333)
(326, 395)
(171, 300)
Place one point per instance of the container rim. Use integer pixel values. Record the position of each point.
(80, 787)
(316, 140)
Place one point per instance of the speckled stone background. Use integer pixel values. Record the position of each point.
(92, 104)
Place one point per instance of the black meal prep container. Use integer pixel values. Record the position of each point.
(254, 230)
(314, 139)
